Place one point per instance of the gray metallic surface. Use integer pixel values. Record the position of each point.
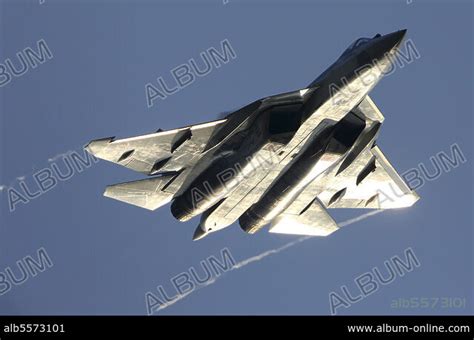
(283, 159)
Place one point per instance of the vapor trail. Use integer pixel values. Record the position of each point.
(261, 256)
(23, 177)
(359, 218)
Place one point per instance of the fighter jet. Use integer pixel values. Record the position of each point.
(282, 160)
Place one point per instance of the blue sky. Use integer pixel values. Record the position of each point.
(107, 254)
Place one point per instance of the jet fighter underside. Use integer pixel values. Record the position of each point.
(281, 161)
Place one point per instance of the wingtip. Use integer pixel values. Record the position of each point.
(96, 146)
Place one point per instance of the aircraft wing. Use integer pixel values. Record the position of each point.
(162, 151)
(171, 154)
(369, 182)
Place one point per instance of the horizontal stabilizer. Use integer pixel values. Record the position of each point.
(313, 220)
(146, 193)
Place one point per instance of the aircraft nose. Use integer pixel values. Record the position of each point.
(386, 44)
(393, 40)
(199, 233)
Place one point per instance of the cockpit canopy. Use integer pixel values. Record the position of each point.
(357, 43)
(354, 45)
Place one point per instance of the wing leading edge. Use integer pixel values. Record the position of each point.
(162, 151)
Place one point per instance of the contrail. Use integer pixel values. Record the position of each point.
(60, 155)
(359, 218)
(261, 256)
(182, 296)
(23, 177)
